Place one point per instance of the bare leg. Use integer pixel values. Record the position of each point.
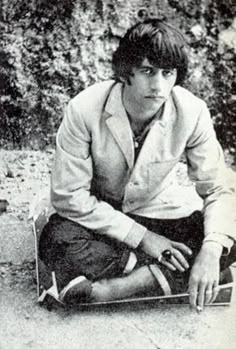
(140, 280)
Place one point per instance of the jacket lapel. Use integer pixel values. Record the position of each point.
(118, 124)
(154, 145)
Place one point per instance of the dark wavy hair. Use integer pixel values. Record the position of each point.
(163, 45)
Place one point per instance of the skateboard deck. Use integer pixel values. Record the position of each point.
(47, 285)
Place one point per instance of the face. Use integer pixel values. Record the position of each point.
(149, 87)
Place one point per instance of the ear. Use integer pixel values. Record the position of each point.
(123, 80)
(126, 80)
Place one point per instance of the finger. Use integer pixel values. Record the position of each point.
(208, 295)
(176, 264)
(215, 291)
(181, 259)
(182, 248)
(201, 295)
(193, 291)
(168, 264)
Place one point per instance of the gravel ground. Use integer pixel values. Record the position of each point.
(23, 174)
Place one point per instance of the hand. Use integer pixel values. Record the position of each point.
(204, 276)
(154, 244)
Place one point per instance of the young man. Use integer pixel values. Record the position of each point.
(123, 226)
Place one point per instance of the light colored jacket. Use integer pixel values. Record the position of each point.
(94, 163)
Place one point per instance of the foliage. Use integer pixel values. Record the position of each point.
(51, 50)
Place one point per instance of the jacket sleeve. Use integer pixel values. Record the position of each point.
(207, 169)
(71, 183)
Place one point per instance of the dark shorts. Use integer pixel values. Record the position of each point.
(71, 250)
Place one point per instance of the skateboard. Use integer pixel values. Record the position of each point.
(47, 284)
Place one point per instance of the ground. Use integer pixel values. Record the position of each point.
(24, 324)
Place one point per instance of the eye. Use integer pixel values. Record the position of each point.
(147, 71)
(168, 72)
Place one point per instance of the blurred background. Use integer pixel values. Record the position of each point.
(52, 49)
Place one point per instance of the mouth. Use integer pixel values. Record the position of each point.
(155, 97)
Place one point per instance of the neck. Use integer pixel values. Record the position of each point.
(138, 126)
(138, 115)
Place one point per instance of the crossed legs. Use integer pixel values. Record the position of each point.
(71, 251)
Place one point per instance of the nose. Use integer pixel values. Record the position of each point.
(156, 82)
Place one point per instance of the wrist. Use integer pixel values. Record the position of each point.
(213, 248)
(144, 239)
(225, 240)
(135, 235)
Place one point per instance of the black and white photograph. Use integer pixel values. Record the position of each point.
(117, 174)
